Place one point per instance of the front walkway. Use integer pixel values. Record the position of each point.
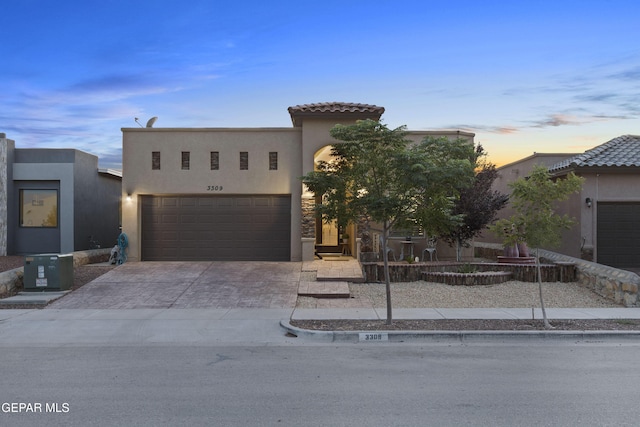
(329, 277)
(335, 268)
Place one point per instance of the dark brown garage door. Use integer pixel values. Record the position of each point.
(619, 234)
(217, 228)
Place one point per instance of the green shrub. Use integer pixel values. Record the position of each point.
(467, 268)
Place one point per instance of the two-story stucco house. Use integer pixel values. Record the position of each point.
(233, 193)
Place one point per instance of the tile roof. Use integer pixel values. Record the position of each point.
(329, 109)
(623, 151)
(333, 107)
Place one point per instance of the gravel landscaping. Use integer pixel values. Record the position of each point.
(507, 294)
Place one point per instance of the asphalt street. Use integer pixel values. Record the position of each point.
(524, 384)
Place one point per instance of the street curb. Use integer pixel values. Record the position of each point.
(456, 336)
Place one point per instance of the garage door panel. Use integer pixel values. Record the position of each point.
(216, 228)
(152, 219)
(190, 236)
(206, 218)
(188, 219)
(618, 234)
(150, 202)
(264, 202)
(282, 203)
(188, 202)
(169, 219)
(167, 236)
(168, 202)
(224, 202)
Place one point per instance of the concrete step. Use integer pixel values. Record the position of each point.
(346, 269)
(316, 289)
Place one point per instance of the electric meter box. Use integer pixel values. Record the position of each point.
(48, 272)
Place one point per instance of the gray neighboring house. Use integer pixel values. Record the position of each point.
(608, 207)
(52, 200)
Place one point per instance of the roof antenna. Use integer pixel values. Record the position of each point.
(136, 119)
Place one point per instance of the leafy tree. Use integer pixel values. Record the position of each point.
(376, 172)
(477, 205)
(445, 168)
(535, 221)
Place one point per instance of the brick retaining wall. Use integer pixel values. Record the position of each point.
(404, 272)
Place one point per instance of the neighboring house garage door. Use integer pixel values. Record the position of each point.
(619, 234)
(217, 228)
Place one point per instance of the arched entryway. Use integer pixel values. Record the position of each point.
(332, 237)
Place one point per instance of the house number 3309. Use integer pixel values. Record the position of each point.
(214, 187)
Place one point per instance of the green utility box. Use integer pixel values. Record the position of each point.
(48, 272)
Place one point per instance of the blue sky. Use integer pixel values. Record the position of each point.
(525, 76)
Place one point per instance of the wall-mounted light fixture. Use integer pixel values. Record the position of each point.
(128, 198)
(588, 201)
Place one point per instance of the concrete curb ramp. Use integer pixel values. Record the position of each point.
(456, 336)
(33, 299)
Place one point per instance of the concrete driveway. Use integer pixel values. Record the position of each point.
(190, 285)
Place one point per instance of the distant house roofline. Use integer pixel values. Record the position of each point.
(108, 171)
(533, 156)
(621, 152)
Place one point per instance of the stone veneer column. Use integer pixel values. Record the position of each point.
(308, 228)
(308, 220)
(3, 193)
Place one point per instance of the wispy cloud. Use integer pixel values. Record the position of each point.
(556, 120)
(120, 86)
(630, 74)
(551, 120)
(503, 130)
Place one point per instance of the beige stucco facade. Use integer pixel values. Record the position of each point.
(138, 144)
(615, 186)
(296, 148)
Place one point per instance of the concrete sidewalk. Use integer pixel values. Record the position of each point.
(465, 313)
(133, 327)
(263, 326)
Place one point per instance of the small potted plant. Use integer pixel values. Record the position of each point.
(515, 247)
(508, 232)
(345, 238)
